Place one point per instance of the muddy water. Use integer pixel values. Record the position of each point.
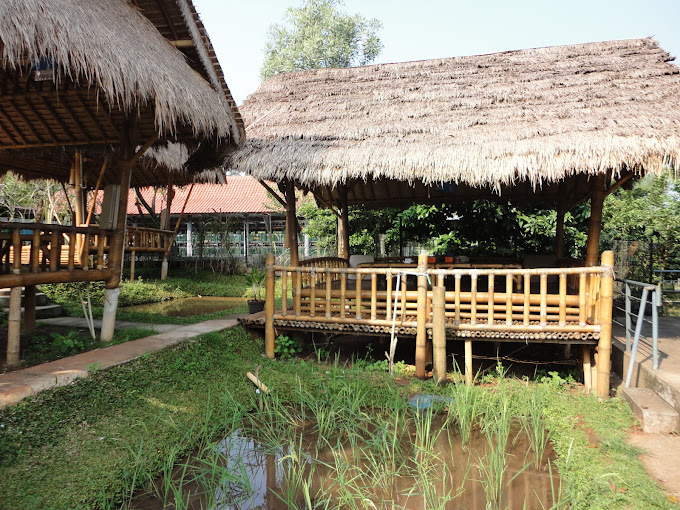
(188, 306)
(260, 478)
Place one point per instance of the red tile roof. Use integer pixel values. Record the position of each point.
(240, 194)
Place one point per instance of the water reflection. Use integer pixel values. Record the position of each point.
(187, 307)
(449, 477)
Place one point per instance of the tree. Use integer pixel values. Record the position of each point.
(317, 35)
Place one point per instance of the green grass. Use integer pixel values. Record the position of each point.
(91, 444)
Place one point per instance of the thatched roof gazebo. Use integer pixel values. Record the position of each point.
(558, 125)
(86, 89)
(537, 124)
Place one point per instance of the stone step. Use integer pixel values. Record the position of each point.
(42, 312)
(654, 414)
(40, 299)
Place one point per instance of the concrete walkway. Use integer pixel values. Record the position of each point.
(662, 451)
(17, 385)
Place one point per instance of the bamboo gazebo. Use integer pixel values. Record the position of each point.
(102, 95)
(559, 125)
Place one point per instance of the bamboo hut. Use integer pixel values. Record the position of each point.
(87, 89)
(559, 125)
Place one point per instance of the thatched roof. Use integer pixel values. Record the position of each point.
(152, 61)
(517, 121)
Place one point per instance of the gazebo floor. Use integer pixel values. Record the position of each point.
(533, 334)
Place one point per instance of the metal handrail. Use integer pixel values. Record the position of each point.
(646, 289)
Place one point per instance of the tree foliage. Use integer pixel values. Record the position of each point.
(42, 200)
(317, 35)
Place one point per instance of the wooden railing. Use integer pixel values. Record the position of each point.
(34, 253)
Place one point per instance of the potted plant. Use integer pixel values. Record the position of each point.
(256, 281)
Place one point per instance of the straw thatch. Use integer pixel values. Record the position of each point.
(519, 119)
(112, 46)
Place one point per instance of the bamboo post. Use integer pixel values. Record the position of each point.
(457, 299)
(388, 298)
(508, 299)
(527, 299)
(595, 222)
(490, 298)
(312, 294)
(582, 313)
(563, 299)
(343, 293)
(35, 251)
(343, 225)
(587, 373)
(403, 299)
(269, 336)
(374, 296)
(473, 299)
(297, 298)
(439, 334)
(284, 292)
(421, 333)
(328, 293)
(544, 299)
(14, 325)
(468, 361)
(133, 254)
(72, 249)
(357, 294)
(29, 308)
(604, 346)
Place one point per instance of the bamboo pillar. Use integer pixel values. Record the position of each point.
(595, 223)
(14, 326)
(421, 333)
(559, 228)
(133, 256)
(269, 336)
(123, 169)
(604, 346)
(587, 371)
(29, 308)
(14, 315)
(343, 225)
(439, 334)
(468, 361)
(291, 224)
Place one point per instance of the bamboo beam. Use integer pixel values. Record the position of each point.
(604, 345)
(273, 193)
(269, 335)
(439, 334)
(421, 337)
(17, 280)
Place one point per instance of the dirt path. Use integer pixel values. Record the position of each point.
(661, 459)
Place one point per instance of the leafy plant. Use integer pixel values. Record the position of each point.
(69, 342)
(287, 347)
(255, 280)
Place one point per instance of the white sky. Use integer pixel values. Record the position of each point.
(443, 28)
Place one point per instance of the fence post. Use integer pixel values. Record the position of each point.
(439, 333)
(628, 322)
(421, 332)
(655, 329)
(269, 341)
(604, 346)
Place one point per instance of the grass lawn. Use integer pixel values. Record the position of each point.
(93, 443)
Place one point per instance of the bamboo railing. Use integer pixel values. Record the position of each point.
(557, 305)
(148, 240)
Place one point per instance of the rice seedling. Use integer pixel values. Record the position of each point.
(492, 467)
(465, 410)
(534, 425)
(298, 471)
